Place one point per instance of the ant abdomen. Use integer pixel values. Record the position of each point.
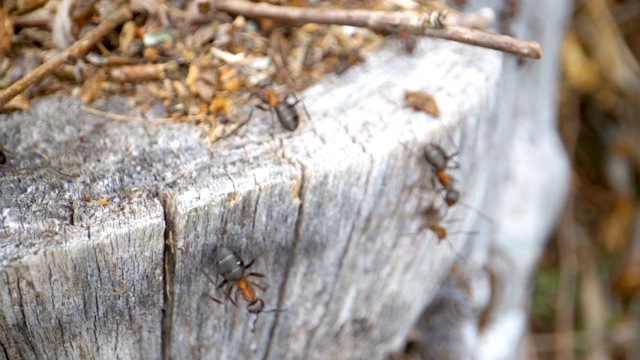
(288, 115)
(436, 156)
(230, 265)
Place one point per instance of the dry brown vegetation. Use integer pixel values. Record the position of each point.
(586, 301)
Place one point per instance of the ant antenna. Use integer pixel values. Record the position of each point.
(255, 321)
(55, 168)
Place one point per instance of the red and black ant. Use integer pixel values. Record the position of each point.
(285, 111)
(440, 161)
(433, 217)
(233, 271)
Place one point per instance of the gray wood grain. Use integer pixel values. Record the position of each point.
(332, 213)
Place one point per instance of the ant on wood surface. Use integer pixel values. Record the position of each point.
(437, 158)
(440, 162)
(434, 217)
(234, 273)
(285, 111)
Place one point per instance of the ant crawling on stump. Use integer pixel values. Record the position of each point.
(433, 217)
(441, 162)
(233, 271)
(285, 111)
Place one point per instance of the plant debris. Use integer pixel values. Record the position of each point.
(201, 62)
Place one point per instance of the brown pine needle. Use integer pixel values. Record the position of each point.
(120, 117)
(77, 50)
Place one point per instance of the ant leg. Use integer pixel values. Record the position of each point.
(207, 275)
(213, 298)
(259, 286)
(235, 296)
(273, 122)
(262, 107)
(228, 293)
(253, 325)
(210, 279)
(453, 164)
(223, 283)
(306, 112)
(46, 158)
(255, 274)
(458, 255)
(482, 215)
(250, 263)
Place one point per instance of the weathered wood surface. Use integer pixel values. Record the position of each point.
(332, 214)
(481, 312)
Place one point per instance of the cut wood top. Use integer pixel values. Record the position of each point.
(332, 212)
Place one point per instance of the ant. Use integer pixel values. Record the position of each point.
(433, 223)
(286, 112)
(233, 270)
(440, 161)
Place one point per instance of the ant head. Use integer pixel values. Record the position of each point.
(451, 197)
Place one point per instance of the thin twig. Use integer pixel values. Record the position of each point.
(487, 40)
(74, 51)
(32, 21)
(42, 155)
(438, 24)
(120, 117)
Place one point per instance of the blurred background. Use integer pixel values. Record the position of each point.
(585, 303)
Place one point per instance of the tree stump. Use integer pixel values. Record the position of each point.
(101, 238)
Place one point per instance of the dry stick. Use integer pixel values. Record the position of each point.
(437, 24)
(120, 117)
(72, 52)
(32, 21)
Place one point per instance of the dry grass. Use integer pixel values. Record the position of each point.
(585, 303)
